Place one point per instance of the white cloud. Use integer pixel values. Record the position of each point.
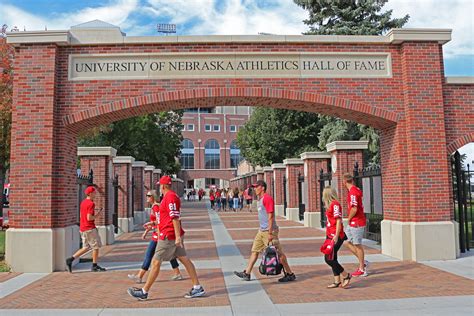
(454, 14)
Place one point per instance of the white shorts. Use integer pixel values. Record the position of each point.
(355, 234)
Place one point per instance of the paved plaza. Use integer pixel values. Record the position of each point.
(219, 243)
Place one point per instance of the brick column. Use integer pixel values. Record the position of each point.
(259, 172)
(43, 196)
(123, 168)
(344, 154)
(138, 172)
(294, 166)
(156, 179)
(99, 159)
(313, 163)
(279, 171)
(177, 185)
(268, 178)
(148, 186)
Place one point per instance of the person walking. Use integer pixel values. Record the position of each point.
(170, 244)
(248, 199)
(218, 199)
(241, 199)
(268, 233)
(224, 199)
(152, 198)
(212, 198)
(335, 232)
(357, 222)
(230, 199)
(235, 199)
(89, 233)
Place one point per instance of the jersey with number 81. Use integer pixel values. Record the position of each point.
(169, 209)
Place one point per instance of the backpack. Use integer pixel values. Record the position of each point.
(270, 264)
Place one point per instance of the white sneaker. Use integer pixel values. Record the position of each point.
(177, 277)
(135, 278)
(366, 268)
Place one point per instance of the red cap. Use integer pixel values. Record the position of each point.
(327, 247)
(89, 190)
(165, 180)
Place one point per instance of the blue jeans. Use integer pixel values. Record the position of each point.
(150, 251)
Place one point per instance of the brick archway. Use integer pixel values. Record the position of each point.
(277, 98)
(460, 142)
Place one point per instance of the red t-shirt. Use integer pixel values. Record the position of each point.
(155, 217)
(332, 214)
(218, 194)
(87, 207)
(211, 197)
(354, 199)
(169, 209)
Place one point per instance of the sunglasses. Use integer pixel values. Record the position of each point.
(149, 195)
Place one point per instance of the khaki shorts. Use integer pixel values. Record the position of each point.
(167, 250)
(261, 242)
(91, 239)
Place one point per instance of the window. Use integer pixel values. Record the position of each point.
(235, 157)
(212, 154)
(216, 128)
(233, 128)
(207, 128)
(190, 127)
(187, 154)
(211, 181)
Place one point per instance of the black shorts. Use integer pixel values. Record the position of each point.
(249, 201)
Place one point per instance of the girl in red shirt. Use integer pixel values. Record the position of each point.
(152, 198)
(335, 232)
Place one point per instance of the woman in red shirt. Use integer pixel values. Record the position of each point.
(335, 231)
(212, 198)
(152, 198)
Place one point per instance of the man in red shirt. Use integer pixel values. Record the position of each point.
(90, 235)
(170, 244)
(356, 227)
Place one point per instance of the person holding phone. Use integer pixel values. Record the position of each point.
(89, 234)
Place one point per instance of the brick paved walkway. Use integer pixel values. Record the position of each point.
(389, 280)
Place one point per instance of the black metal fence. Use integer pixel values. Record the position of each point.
(301, 205)
(463, 202)
(115, 215)
(325, 179)
(284, 195)
(83, 181)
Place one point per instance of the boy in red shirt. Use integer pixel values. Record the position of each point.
(357, 221)
(170, 244)
(89, 234)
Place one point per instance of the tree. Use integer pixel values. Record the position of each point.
(154, 138)
(272, 135)
(349, 17)
(6, 92)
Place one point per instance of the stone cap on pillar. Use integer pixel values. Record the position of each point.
(315, 155)
(149, 168)
(267, 169)
(157, 171)
(348, 145)
(96, 151)
(139, 164)
(293, 161)
(259, 170)
(124, 159)
(177, 180)
(278, 166)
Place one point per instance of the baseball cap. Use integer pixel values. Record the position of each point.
(260, 183)
(327, 247)
(165, 180)
(89, 190)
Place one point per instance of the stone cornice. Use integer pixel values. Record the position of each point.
(315, 155)
(157, 171)
(124, 159)
(96, 151)
(177, 180)
(347, 145)
(149, 168)
(139, 164)
(267, 169)
(278, 166)
(115, 36)
(293, 161)
(460, 80)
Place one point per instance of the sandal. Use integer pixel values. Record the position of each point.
(334, 285)
(346, 280)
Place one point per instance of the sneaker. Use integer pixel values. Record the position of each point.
(195, 293)
(366, 268)
(137, 293)
(98, 268)
(287, 278)
(69, 264)
(357, 273)
(177, 277)
(243, 275)
(135, 278)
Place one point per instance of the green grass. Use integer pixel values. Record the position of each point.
(3, 266)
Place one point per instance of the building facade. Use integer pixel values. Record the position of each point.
(210, 154)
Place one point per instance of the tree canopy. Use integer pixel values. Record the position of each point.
(6, 93)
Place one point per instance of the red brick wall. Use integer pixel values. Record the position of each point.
(125, 189)
(148, 181)
(292, 172)
(268, 178)
(49, 111)
(138, 192)
(278, 174)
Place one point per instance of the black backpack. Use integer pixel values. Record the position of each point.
(270, 264)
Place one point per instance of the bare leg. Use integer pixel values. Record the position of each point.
(141, 273)
(358, 251)
(285, 264)
(253, 258)
(189, 266)
(155, 271)
(176, 271)
(80, 252)
(95, 255)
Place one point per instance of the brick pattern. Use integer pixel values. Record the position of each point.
(292, 172)
(278, 175)
(312, 168)
(138, 191)
(124, 172)
(268, 178)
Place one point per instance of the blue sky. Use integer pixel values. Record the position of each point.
(200, 17)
